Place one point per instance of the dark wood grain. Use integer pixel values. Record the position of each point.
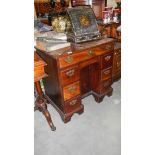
(83, 70)
(117, 61)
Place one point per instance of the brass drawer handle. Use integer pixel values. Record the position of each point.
(107, 72)
(72, 89)
(108, 47)
(90, 53)
(73, 102)
(70, 72)
(69, 59)
(107, 58)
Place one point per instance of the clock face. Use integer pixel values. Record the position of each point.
(84, 21)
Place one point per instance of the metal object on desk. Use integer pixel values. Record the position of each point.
(84, 24)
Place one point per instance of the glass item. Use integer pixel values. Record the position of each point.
(105, 15)
(115, 15)
(110, 10)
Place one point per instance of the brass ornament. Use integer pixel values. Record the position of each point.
(84, 21)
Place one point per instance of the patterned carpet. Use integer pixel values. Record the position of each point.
(96, 132)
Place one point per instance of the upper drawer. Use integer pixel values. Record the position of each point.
(69, 75)
(73, 59)
(106, 60)
(107, 47)
(71, 90)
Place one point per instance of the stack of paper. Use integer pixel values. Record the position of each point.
(55, 46)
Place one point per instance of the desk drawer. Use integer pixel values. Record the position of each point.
(106, 60)
(103, 86)
(107, 83)
(69, 75)
(72, 104)
(106, 74)
(71, 90)
(75, 58)
(107, 47)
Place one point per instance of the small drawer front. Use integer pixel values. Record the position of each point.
(73, 59)
(107, 61)
(107, 83)
(106, 74)
(104, 86)
(107, 47)
(69, 75)
(71, 90)
(39, 73)
(72, 104)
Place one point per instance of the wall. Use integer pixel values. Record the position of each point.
(111, 3)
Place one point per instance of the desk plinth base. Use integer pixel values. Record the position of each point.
(66, 117)
(99, 97)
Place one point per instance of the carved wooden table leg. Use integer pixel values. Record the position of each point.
(40, 104)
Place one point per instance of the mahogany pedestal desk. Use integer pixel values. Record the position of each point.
(40, 103)
(76, 72)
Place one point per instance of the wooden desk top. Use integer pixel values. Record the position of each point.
(73, 48)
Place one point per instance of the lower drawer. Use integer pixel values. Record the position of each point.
(71, 90)
(103, 86)
(73, 104)
(106, 74)
(106, 83)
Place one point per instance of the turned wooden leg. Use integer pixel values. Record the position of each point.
(40, 104)
(49, 120)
